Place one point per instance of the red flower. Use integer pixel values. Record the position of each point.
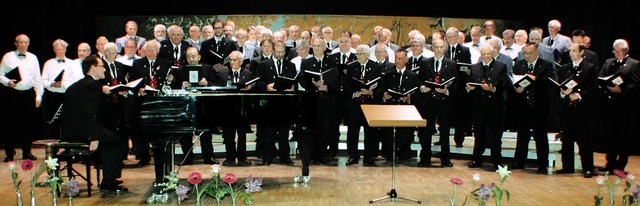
(230, 178)
(620, 174)
(27, 165)
(456, 181)
(195, 178)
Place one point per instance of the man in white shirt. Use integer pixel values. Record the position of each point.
(474, 44)
(489, 32)
(130, 51)
(100, 42)
(22, 88)
(52, 74)
(194, 36)
(131, 29)
(510, 48)
(75, 71)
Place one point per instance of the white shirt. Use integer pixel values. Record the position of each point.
(513, 52)
(298, 60)
(475, 52)
(74, 74)
(126, 60)
(483, 40)
(51, 70)
(390, 53)
(29, 68)
(425, 53)
(337, 49)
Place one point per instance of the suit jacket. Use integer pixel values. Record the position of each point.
(629, 72)
(331, 78)
(192, 43)
(371, 72)
(505, 59)
(545, 51)
(391, 80)
(213, 53)
(586, 75)
(462, 54)
(448, 70)
(142, 69)
(487, 103)
(166, 52)
(221, 80)
(541, 90)
(121, 70)
(561, 43)
(80, 120)
(255, 61)
(268, 72)
(122, 40)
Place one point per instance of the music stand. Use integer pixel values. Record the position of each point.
(393, 116)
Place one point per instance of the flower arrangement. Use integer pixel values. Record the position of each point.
(72, 189)
(484, 192)
(16, 182)
(53, 180)
(631, 194)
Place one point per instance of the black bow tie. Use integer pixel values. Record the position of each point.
(508, 48)
(21, 55)
(131, 58)
(60, 60)
(475, 45)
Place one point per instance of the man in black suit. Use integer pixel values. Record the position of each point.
(491, 79)
(578, 36)
(533, 106)
(402, 80)
(113, 111)
(577, 110)
(620, 106)
(365, 71)
(321, 81)
(214, 51)
(436, 103)
(82, 101)
(153, 72)
(275, 121)
(343, 57)
(462, 102)
(266, 48)
(174, 49)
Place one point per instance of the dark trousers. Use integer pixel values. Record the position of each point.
(51, 101)
(440, 111)
(531, 118)
(111, 153)
(403, 137)
(234, 150)
(20, 124)
(463, 115)
(186, 143)
(488, 134)
(206, 145)
(617, 129)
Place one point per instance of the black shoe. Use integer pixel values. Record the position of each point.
(267, 161)
(352, 161)
(437, 143)
(29, 156)
(447, 163)
(229, 163)
(142, 163)
(606, 169)
(8, 159)
(424, 164)
(368, 162)
(565, 171)
(286, 161)
(588, 174)
(517, 165)
(542, 171)
(459, 146)
(112, 188)
(243, 163)
(211, 161)
(403, 162)
(119, 182)
(474, 164)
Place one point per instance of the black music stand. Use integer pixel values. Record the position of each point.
(393, 116)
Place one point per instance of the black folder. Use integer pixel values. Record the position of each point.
(611, 80)
(283, 83)
(194, 73)
(523, 80)
(444, 84)
(397, 94)
(124, 87)
(566, 84)
(243, 84)
(14, 74)
(59, 77)
(370, 85)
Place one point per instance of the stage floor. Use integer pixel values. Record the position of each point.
(341, 185)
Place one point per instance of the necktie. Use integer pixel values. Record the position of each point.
(437, 68)
(153, 70)
(114, 75)
(344, 59)
(153, 81)
(294, 44)
(400, 79)
(530, 68)
(550, 41)
(484, 70)
(60, 60)
(328, 45)
(241, 49)
(453, 52)
(279, 67)
(362, 67)
(175, 52)
(236, 76)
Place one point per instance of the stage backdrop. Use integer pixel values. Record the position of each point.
(113, 26)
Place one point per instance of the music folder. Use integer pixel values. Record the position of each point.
(283, 83)
(398, 94)
(369, 85)
(523, 80)
(194, 72)
(59, 77)
(124, 87)
(317, 74)
(475, 84)
(14, 74)
(149, 89)
(442, 85)
(464, 67)
(568, 83)
(611, 80)
(243, 84)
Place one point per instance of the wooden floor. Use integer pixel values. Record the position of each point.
(342, 185)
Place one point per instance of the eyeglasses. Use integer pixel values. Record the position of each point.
(361, 53)
(217, 27)
(234, 59)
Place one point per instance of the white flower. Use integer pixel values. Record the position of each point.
(476, 177)
(631, 176)
(52, 163)
(215, 169)
(504, 173)
(12, 166)
(600, 179)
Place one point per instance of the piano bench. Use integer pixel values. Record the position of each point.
(75, 152)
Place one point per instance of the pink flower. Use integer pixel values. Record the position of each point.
(600, 179)
(195, 178)
(27, 165)
(621, 174)
(230, 178)
(456, 181)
